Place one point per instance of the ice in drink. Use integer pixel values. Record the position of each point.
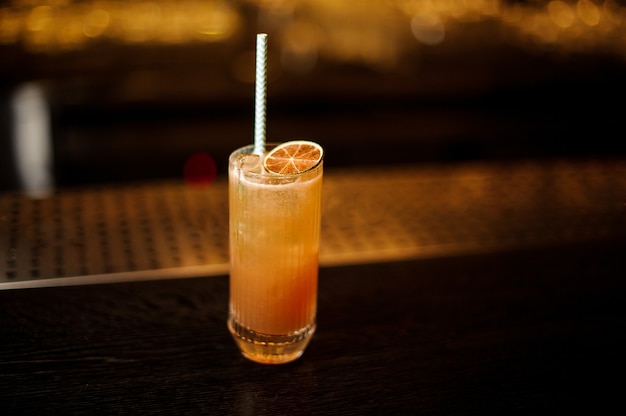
(274, 245)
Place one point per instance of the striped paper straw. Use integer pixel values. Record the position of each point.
(260, 94)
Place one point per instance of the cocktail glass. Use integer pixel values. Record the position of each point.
(274, 227)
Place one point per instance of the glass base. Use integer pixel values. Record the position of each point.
(270, 349)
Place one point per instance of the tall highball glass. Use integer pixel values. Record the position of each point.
(274, 229)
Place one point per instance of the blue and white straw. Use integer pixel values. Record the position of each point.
(260, 94)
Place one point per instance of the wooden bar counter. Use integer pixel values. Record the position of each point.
(527, 329)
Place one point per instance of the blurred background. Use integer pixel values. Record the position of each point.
(95, 91)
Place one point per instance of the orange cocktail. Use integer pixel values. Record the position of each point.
(275, 209)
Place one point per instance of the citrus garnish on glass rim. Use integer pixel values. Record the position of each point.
(293, 157)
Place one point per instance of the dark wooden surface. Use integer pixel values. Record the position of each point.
(515, 333)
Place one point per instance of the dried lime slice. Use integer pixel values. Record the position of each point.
(293, 157)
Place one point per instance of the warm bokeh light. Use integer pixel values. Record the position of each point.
(428, 29)
(588, 12)
(96, 22)
(61, 25)
(375, 33)
(561, 13)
